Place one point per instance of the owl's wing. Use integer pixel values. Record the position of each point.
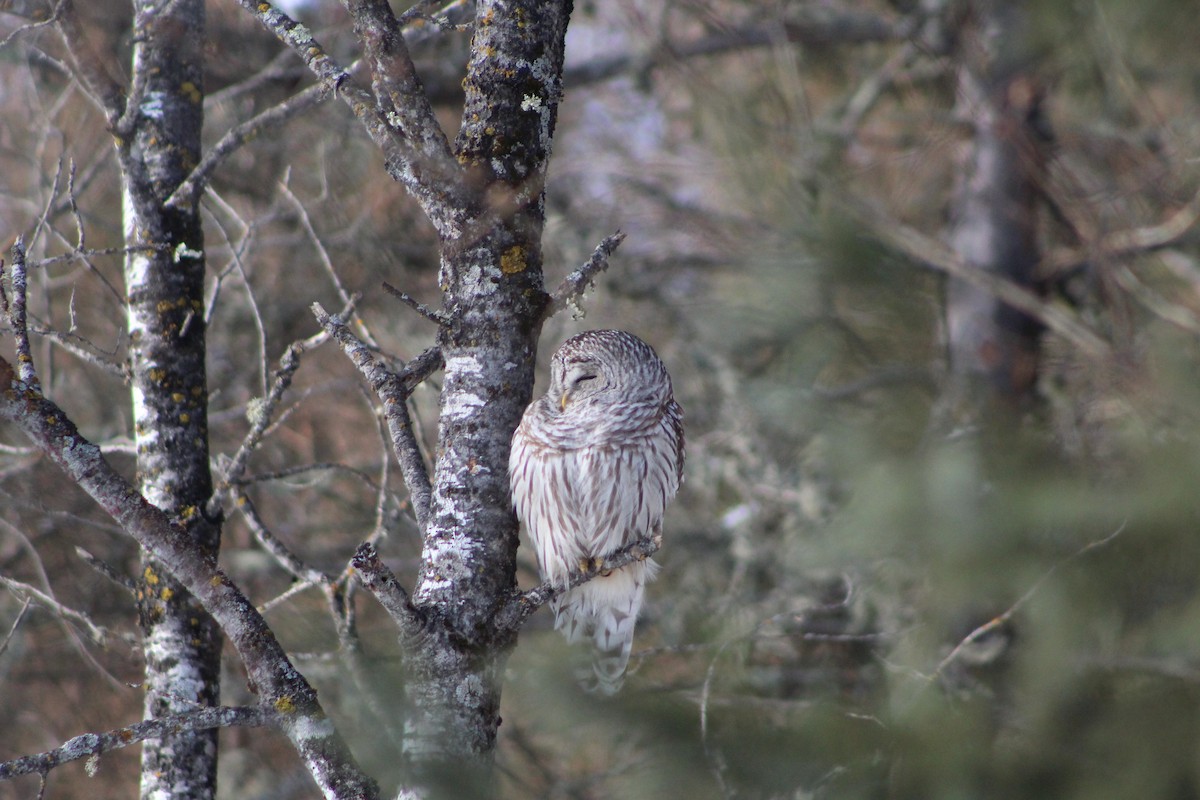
(544, 485)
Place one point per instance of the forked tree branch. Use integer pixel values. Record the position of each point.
(393, 390)
(406, 137)
(382, 583)
(189, 191)
(279, 685)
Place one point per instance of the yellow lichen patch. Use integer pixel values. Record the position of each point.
(157, 374)
(151, 576)
(216, 580)
(178, 397)
(167, 593)
(285, 705)
(263, 8)
(191, 91)
(512, 260)
(185, 418)
(187, 512)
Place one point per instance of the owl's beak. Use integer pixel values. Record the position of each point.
(562, 403)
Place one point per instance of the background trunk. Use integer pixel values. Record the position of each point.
(165, 288)
(995, 211)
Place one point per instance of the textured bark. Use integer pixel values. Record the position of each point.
(157, 148)
(995, 228)
(491, 277)
(484, 196)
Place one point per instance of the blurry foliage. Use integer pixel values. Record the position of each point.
(832, 543)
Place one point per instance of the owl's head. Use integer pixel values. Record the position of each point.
(602, 366)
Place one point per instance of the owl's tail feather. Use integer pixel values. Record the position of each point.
(605, 611)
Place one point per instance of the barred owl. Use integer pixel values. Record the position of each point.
(594, 464)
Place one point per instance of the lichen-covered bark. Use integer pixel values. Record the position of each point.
(491, 277)
(995, 227)
(158, 144)
(484, 196)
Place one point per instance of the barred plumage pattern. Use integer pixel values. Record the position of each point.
(594, 464)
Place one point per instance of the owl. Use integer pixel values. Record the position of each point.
(593, 465)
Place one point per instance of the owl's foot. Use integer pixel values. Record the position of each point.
(591, 565)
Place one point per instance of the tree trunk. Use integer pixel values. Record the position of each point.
(995, 215)
(491, 276)
(165, 288)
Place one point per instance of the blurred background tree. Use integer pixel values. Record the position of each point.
(930, 544)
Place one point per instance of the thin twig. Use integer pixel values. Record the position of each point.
(934, 254)
(92, 745)
(24, 591)
(282, 555)
(107, 570)
(438, 318)
(1008, 614)
(12, 631)
(262, 412)
(274, 117)
(393, 390)
(571, 290)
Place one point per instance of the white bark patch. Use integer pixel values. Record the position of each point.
(308, 728)
(79, 746)
(129, 214)
(183, 680)
(470, 692)
(152, 105)
(462, 404)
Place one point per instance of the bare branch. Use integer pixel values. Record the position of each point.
(262, 412)
(27, 593)
(571, 290)
(432, 314)
(379, 581)
(522, 604)
(189, 191)
(95, 72)
(934, 254)
(1004, 618)
(282, 555)
(107, 570)
(277, 682)
(92, 745)
(398, 89)
(412, 143)
(451, 16)
(1118, 244)
(12, 630)
(393, 390)
(821, 28)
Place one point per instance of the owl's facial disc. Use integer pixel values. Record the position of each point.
(580, 377)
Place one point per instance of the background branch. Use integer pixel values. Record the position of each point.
(90, 745)
(393, 390)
